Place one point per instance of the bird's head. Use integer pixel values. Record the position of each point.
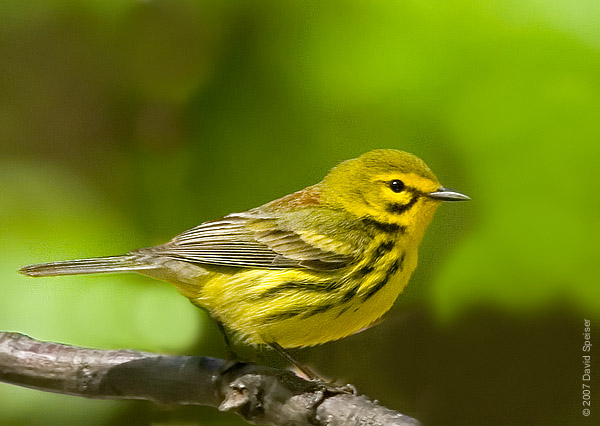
(387, 185)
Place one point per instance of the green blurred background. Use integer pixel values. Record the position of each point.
(123, 123)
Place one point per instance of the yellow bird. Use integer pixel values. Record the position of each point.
(311, 267)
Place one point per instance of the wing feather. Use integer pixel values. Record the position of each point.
(251, 239)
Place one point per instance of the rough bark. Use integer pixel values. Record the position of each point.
(261, 395)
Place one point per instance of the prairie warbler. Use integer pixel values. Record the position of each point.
(311, 267)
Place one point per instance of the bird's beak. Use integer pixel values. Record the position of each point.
(445, 194)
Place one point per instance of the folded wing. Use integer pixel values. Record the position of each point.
(254, 239)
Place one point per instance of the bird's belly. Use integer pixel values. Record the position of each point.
(338, 321)
(301, 314)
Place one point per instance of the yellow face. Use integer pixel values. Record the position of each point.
(401, 198)
(386, 185)
(397, 192)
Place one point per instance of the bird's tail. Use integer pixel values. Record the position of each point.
(87, 266)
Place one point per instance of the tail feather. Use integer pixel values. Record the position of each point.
(87, 266)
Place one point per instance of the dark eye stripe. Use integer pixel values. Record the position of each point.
(398, 208)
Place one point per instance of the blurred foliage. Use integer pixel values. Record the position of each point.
(124, 122)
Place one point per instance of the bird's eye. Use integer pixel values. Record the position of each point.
(397, 185)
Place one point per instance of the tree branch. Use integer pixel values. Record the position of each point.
(261, 395)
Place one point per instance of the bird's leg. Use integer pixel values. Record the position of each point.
(234, 361)
(327, 385)
(230, 352)
(307, 371)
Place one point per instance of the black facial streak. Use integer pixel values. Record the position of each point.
(397, 208)
(388, 228)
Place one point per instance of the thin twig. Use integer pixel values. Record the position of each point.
(261, 395)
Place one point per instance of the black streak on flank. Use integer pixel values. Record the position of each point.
(318, 310)
(304, 286)
(364, 271)
(402, 260)
(391, 271)
(284, 315)
(397, 208)
(350, 294)
(342, 311)
(388, 228)
(382, 249)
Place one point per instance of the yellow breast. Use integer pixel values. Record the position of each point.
(297, 308)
